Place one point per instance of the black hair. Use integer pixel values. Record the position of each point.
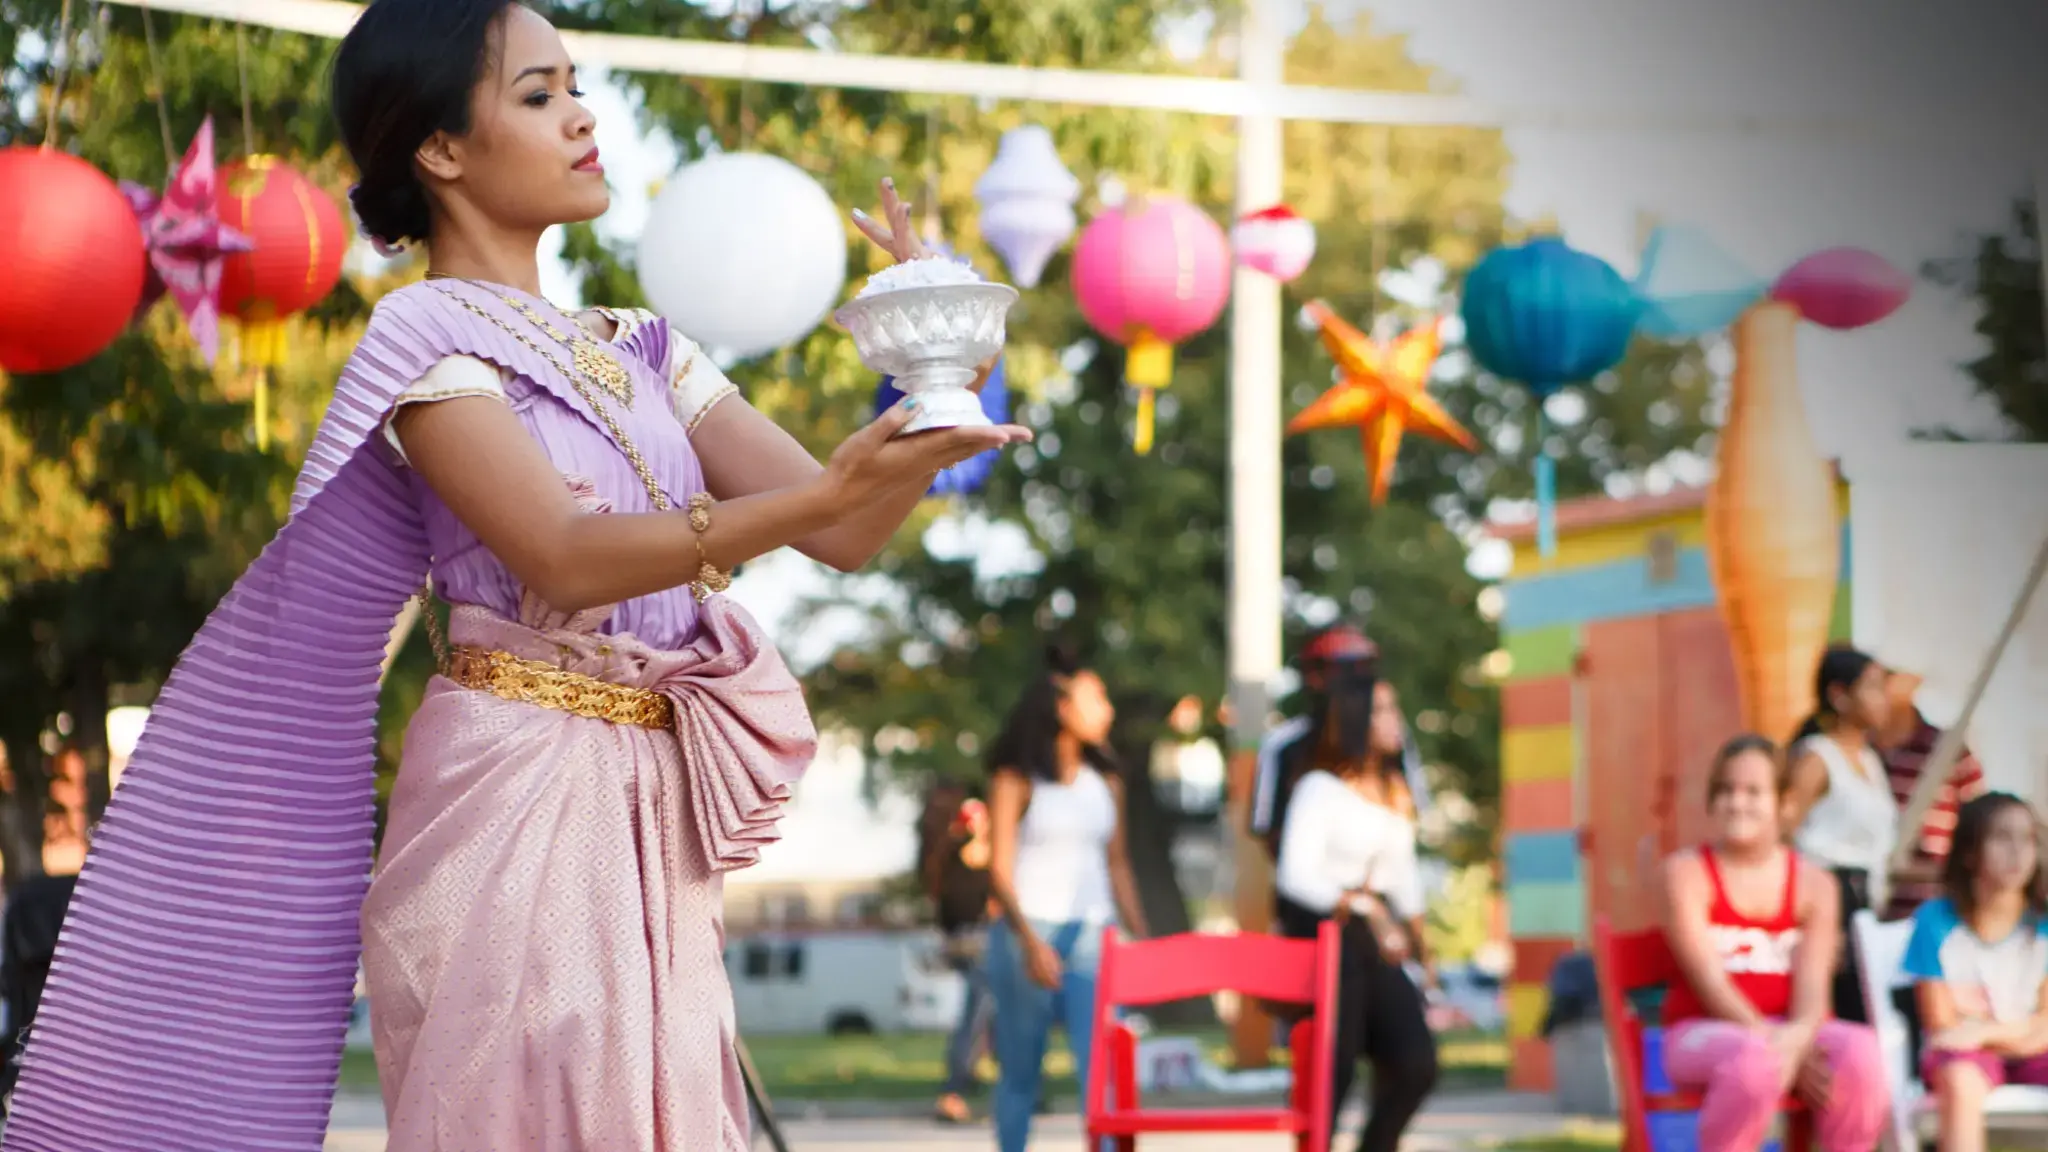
(1736, 748)
(1966, 850)
(1840, 667)
(404, 72)
(1029, 740)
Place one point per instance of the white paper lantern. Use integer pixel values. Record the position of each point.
(1027, 202)
(1276, 241)
(744, 253)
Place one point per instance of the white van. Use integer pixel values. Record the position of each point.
(840, 983)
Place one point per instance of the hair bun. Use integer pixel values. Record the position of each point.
(391, 213)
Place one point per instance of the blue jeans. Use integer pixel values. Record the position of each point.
(975, 1012)
(1025, 1014)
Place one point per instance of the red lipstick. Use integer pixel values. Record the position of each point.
(589, 162)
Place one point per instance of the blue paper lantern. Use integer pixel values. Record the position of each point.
(1546, 315)
(970, 474)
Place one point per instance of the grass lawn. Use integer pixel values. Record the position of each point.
(909, 1067)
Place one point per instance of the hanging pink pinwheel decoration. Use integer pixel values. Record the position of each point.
(187, 242)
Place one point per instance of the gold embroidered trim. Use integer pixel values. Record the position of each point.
(424, 397)
(691, 427)
(524, 681)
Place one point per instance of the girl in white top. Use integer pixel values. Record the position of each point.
(1838, 806)
(1347, 852)
(1058, 871)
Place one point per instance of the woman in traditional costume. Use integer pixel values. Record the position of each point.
(542, 938)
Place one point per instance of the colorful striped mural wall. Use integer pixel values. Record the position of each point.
(1620, 685)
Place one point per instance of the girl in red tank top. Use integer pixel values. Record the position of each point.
(1754, 930)
(1757, 952)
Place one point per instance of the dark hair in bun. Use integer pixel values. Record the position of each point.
(403, 73)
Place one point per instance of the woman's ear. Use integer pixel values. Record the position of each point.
(440, 157)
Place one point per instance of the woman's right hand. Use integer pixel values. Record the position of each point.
(875, 461)
(1042, 964)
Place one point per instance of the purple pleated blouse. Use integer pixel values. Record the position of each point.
(465, 572)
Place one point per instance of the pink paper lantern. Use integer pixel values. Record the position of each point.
(1844, 288)
(1276, 241)
(1149, 275)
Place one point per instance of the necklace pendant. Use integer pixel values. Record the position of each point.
(597, 363)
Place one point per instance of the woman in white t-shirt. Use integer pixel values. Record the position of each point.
(1059, 873)
(1838, 805)
(1347, 852)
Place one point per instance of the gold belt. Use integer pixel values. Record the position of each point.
(510, 677)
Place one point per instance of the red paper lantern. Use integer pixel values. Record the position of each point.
(1149, 275)
(300, 239)
(71, 260)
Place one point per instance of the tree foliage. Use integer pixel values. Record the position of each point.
(139, 494)
(1129, 554)
(2002, 272)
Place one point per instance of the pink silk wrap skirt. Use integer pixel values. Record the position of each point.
(543, 939)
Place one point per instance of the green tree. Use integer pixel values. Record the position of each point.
(141, 495)
(1128, 553)
(2003, 273)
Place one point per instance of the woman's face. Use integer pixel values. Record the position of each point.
(1389, 731)
(2012, 850)
(529, 160)
(1085, 711)
(1745, 810)
(1867, 704)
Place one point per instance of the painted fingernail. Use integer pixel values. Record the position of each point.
(859, 215)
(912, 403)
(888, 182)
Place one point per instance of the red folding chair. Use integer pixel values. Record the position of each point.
(1134, 975)
(1631, 963)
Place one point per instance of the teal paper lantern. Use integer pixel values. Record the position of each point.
(1544, 315)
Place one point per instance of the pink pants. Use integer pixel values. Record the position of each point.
(1740, 1077)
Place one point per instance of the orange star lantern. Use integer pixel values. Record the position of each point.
(1383, 391)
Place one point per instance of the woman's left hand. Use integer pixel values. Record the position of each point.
(1815, 1081)
(895, 234)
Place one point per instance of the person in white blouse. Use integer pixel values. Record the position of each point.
(1839, 809)
(1347, 852)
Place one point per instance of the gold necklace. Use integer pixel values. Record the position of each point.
(591, 358)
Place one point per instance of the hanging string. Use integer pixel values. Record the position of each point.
(932, 224)
(67, 42)
(242, 71)
(1375, 214)
(156, 87)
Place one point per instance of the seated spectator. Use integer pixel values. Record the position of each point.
(1979, 956)
(1754, 929)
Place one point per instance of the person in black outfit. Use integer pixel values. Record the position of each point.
(955, 854)
(1347, 852)
(34, 916)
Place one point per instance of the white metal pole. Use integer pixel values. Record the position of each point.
(1254, 574)
(1255, 402)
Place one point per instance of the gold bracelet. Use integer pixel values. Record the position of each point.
(710, 581)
